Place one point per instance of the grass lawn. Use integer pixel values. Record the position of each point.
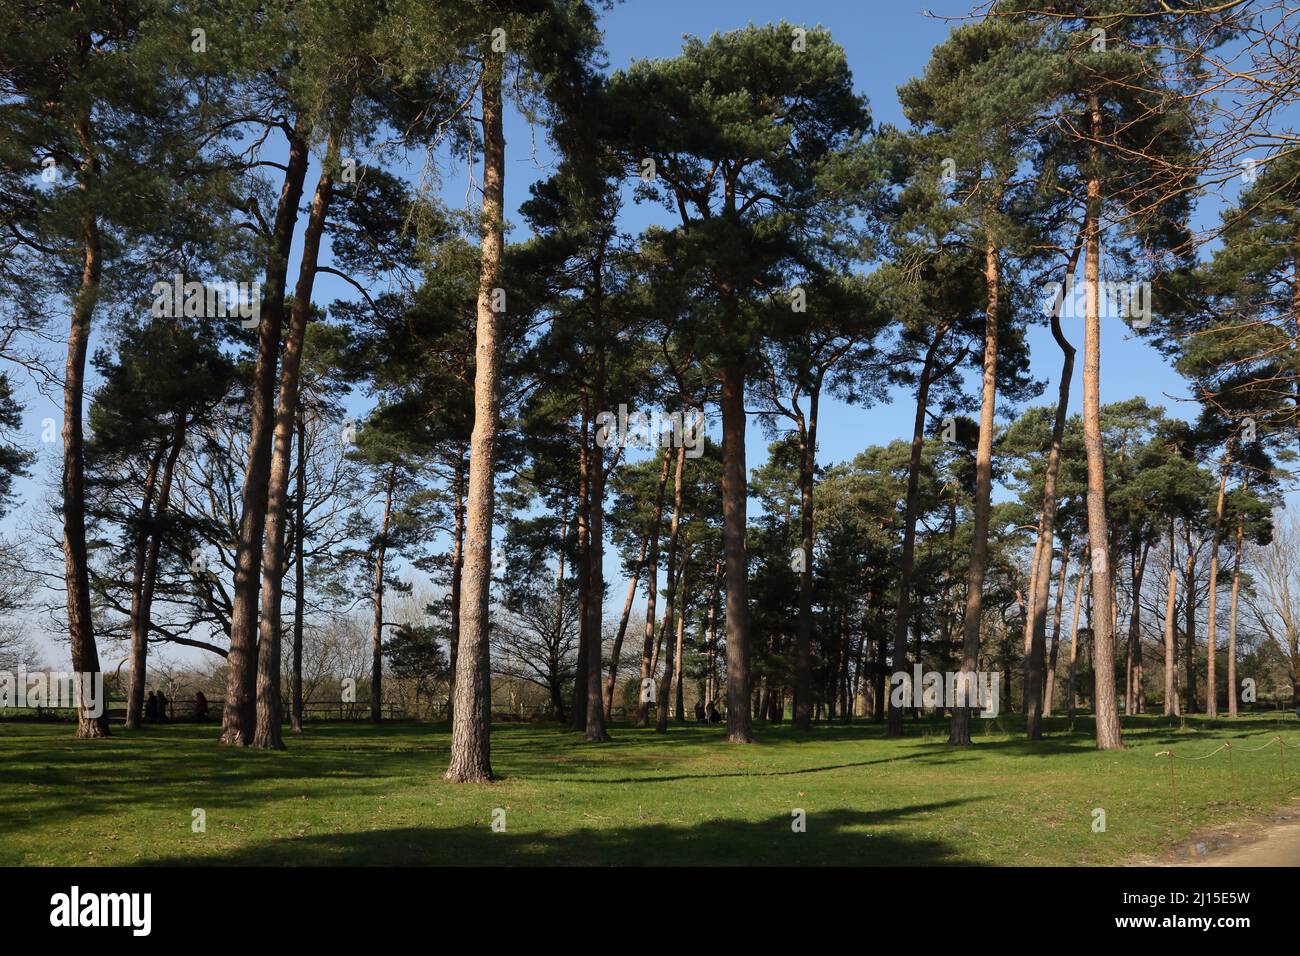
(355, 794)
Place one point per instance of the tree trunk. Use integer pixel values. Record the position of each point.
(622, 629)
(596, 581)
(680, 701)
(1189, 610)
(457, 569)
(652, 594)
(471, 758)
(139, 635)
(578, 714)
(670, 601)
(903, 611)
(299, 574)
(1070, 700)
(1232, 621)
(1034, 677)
(238, 714)
(803, 645)
(377, 598)
(734, 499)
(1171, 666)
(959, 735)
(1103, 644)
(269, 706)
(1211, 625)
(1049, 688)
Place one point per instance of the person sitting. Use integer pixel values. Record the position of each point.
(699, 711)
(151, 708)
(200, 707)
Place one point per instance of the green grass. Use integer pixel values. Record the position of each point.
(354, 794)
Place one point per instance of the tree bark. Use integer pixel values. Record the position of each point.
(1211, 625)
(622, 629)
(682, 603)
(1232, 621)
(238, 713)
(903, 611)
(139, 636)
(578, 713)
(1103, 646)
(1070, 699)
(734, 499)
(596, 580)
(267, 734)
(377, 598)
(959, 735)
(299, 575)
(472, 711)
(1171, 666)
(803, 643)
(652, 594)
(1049, 689)
(670, 601)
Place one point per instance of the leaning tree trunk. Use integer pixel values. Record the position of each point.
(81, 626)
(1046, 530)
(959, 735)
(652, 593)
(670, 601)
(622, 629)
(903, 611)
(238, 714)
(269, 703)
(299, 575)
(471, 757)
(1103, 639)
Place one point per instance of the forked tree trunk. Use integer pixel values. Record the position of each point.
(142, 612)
(1103, 641)
(471, 757)
(1034, 677)
(238, 713)
(959, 735)
(267, 734)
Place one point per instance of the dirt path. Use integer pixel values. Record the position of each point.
(1273, 840)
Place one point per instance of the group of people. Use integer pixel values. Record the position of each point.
(712, 717)
(155, 707)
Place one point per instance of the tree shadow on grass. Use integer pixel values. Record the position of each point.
(835, 837)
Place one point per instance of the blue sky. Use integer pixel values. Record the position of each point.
(886, 44)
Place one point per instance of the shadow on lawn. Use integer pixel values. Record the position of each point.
(836, 837)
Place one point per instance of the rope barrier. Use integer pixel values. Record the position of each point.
(1282, 747)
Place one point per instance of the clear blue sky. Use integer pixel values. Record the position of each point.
(886, 43)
